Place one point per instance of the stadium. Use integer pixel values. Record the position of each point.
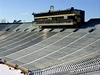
(55, 43)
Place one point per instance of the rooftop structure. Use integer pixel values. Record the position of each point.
(69, 18)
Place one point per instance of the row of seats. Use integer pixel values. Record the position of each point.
(54, 21)
(16, 26)
(82, 67)
(55, 44)
(8, 26)
(19, 42)
(30, 49)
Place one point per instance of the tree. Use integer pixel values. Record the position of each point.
(15, 21)
(3, 21)
(19, 21)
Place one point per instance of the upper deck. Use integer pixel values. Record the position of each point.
(69, 17)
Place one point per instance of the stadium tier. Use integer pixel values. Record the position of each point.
(51, 50)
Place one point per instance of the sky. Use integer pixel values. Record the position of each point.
(23, 9)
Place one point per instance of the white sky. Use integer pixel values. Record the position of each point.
(4, 70)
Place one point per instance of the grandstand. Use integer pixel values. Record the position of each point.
(51, 50)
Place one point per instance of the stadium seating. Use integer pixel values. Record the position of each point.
(52, 51)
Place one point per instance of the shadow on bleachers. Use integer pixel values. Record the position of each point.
(91, 23)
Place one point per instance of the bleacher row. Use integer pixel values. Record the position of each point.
(54, 21)
(82, 67)
(46, 52)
